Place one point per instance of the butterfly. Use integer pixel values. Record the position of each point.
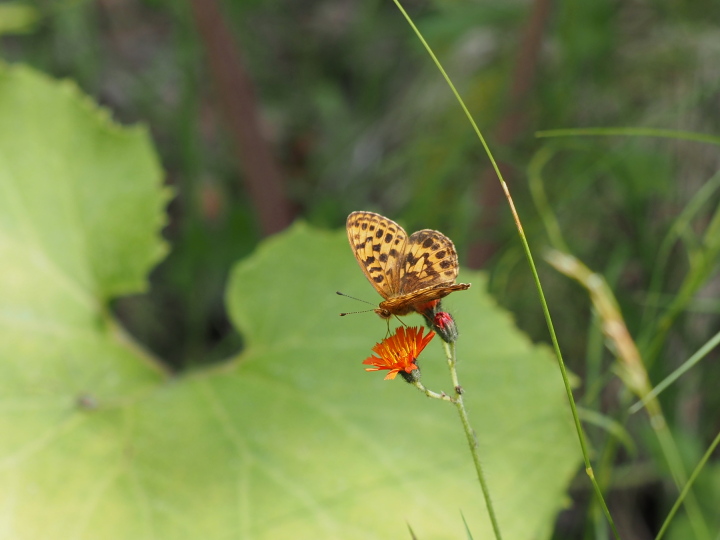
(410, 273)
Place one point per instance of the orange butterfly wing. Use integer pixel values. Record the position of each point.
(378, 244)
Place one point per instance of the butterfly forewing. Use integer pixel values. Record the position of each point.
(430, 260)
(379, 245)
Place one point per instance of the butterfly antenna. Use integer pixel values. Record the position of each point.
(353, 312)
(358, 299)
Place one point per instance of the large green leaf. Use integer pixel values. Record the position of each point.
(291, 439)
(379, 452)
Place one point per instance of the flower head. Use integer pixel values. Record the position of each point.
(398, 353)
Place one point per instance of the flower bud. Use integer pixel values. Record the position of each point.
(442, 323)
(412, 376)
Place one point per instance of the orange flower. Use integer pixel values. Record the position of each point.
(399, 352)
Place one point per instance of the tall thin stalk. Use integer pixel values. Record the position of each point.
(531, 263)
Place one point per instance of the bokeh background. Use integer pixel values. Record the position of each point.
(267, 112)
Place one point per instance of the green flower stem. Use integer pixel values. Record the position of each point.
(469, 431)
(429, 393)
(471, 437)
(533, 269)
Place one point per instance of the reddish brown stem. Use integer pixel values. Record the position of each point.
(510, 128)
(236, 93)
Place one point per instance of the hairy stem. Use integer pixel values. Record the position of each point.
(471, 436)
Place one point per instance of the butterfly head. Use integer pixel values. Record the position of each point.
(383, 313)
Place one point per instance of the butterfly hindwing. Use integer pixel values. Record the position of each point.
(379, 244)
(430, 260)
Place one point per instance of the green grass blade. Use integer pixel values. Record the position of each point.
(531, 263)
(631, 132)
(686, 366)
(688, 485)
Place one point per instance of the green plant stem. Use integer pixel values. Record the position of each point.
(679, 226)
(605, 472)
(689, 363)
(531, 263)
(429, 393)
(471, 436)
(632, 371)
(537, 190)
(630, 131)
(469, 431)
(687, 486)
(677, 469)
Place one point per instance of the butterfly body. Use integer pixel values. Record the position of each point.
(410, 272)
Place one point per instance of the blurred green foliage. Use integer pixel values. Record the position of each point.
(17, 18)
